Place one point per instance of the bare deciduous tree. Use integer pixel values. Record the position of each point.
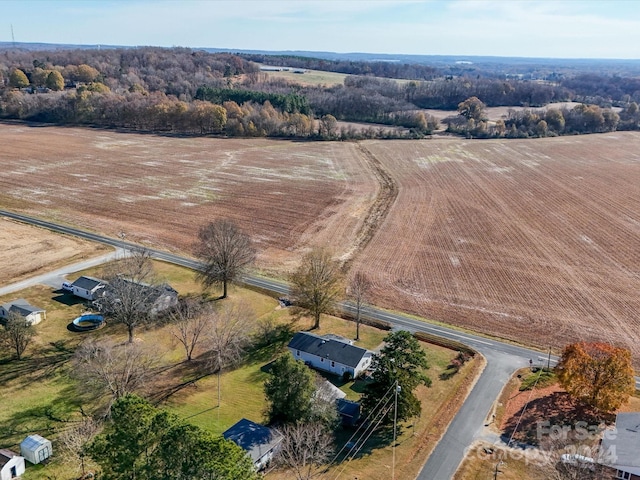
(129, 297)
(304, 448)
(74, 441)
(359, 289)
(230, 327)
(17, 334)
(225, 251)
(116, 369)
(190, 325)
(315, 285)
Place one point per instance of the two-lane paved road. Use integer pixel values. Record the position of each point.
(502, 358)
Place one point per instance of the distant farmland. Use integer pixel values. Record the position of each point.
(537, 241)
(308, 77)
(531, 240)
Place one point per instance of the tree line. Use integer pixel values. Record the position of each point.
(580, 119)
(192, 92)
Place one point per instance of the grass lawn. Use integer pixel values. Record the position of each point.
(40, 394)
(242, 392)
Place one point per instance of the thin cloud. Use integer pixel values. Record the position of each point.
(542, 28)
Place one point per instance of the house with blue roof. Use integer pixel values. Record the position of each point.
(260, 442)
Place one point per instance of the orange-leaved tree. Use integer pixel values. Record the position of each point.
(598, 374)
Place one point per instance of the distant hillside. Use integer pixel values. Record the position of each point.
(497, 64)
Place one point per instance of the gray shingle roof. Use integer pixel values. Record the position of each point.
(329, 348)
(87, 283)
(21, 307)
(255, 439)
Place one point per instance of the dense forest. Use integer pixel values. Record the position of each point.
(186, 91)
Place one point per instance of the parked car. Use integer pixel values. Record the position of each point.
(66, 286)
(285, 302)
(578, 460)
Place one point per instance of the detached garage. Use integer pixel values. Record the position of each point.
(35, 448)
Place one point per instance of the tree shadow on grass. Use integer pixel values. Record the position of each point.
(336, 380)
(51, 359)
(269, 346)
(59, 412)
(353, 444)
(359, 386)
(171, 379)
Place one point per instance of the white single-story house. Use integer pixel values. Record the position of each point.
(88, 288)
(33, 315)
(620, 447)
(36, 449)
(11, 464)
(330, 353)
(260, 442)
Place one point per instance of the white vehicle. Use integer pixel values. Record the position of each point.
(66, 286)
(575, 459)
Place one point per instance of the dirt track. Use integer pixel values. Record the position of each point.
(533, 240)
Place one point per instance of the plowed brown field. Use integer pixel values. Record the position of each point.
(533, 240)
(159, 190)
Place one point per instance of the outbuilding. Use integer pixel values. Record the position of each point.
(11, 464)
(260, 442)
(88, 288)
(36, 449)
(24, 309)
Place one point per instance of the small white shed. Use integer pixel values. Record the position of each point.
(35, 448)
(11, 465)
(22, 308)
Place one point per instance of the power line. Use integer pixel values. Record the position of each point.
(364, 424)
(372, 421)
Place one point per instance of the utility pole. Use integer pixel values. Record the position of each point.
(122, 236)
(395, 425)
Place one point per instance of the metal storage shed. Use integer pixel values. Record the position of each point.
(35, 448)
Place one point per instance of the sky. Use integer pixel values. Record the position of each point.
(520, 28)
